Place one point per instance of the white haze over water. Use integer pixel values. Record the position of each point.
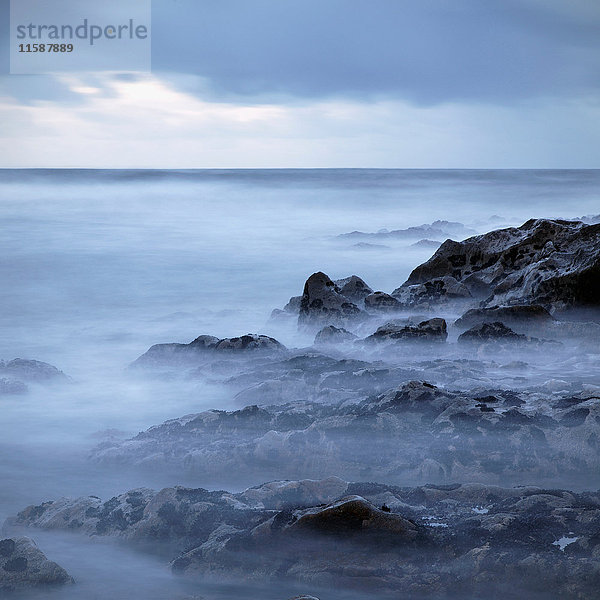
(97, 266)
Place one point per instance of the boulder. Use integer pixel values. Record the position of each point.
(323, 304)
(553, 263)
(487, 332)
(520, 315)
(333, 335)
(23, 566)
(353, 288)
(249, 342)
(432, 330)
(381, 302)
(429, 294)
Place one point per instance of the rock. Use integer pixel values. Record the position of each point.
(24, 566)
(323, 304)
(430, 294)
(30, 371)
(293, 306)
(349, 515)
(490, 332)
(432, 330)
(381, 302)
(426, 244)
(249, 342)
(9, 386)
(552, 263)
(304, 597)
(353, 288)
(204, 346)
(440, 229)
(333, 335)
(524, 316)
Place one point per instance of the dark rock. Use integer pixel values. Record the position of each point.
(333, 335)
(489, 332)
(431, 293)
(381, 302)
(293, 306)
(552, 263)
(353, 288)
(251, 341)
(323, 304)
(432, 330)
(509, 315)
(24, 566)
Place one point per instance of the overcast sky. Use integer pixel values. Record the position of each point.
(327, 83)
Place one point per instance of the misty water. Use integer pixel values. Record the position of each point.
(97, 266)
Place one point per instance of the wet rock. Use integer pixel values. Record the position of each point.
(323, 304)
(512, 316)
(23, 566)
(432, 293)
(381, 302)
(249, 342)
(205, 346)
(490, 332)
(432, 330)
(353, 288)
(333, 335)
(552, 263)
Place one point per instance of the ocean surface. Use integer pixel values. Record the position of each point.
(96, 266)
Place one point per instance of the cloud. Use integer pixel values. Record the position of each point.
(425, 52)
(145, 122)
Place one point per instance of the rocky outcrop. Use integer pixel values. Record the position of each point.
(380, 302)
(30, 371)
(415, 432)
(432, 330)
(354, 289)
(205, 346)
(439, 229)
(324, 304)
(333, 335)
(430, 294)
(24, 566)
(487, 332)
(432, 539)
(552, 263)
(528, 316)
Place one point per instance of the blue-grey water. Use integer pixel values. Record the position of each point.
(96, 266)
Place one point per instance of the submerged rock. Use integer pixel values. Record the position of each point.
(34, 371)
(23, 566)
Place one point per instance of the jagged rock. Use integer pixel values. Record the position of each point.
(323, 304)
(528, 315)
(432, 330)
(426, 244)
(203, 346)
(251, 341)
(381, 302)
(353, 288)
(489, 332)
(553, 263)
(370, 536)
(440, 229)
(406, 433)
(431, 293)
(333, 335)
(293, 306)
(30, 371)
(23, 566)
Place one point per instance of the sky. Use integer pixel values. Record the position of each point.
(325, 83)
